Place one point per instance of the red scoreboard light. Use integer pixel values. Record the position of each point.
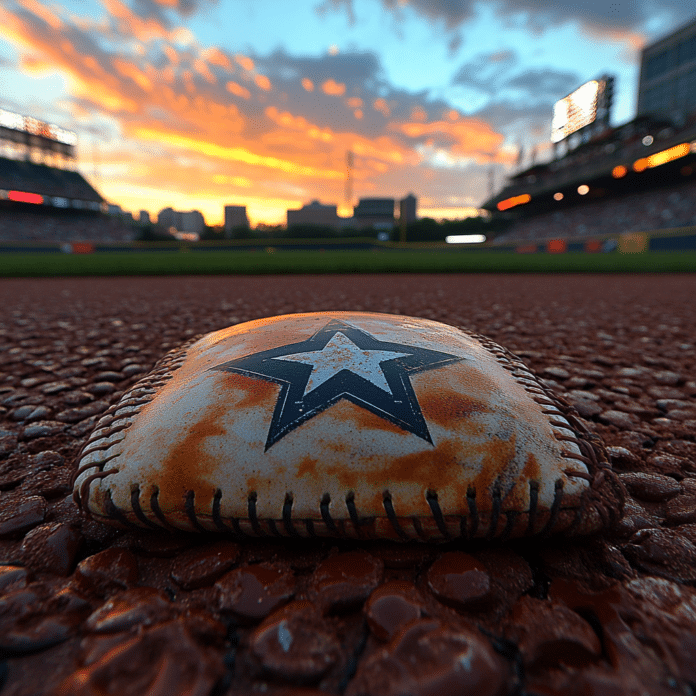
(24, 197)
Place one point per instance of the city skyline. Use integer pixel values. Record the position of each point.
(196, 104)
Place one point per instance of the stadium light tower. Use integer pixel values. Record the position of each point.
(348, 191)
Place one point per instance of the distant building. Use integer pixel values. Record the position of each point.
(314, 214)
(144, 217)
(189, 222)
(374, 212)
(667, 85)
(407, 209)
(235, 216)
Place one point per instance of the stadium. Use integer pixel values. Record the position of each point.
(630, 187)
(633, 184)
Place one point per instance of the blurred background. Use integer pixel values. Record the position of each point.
(513, 122)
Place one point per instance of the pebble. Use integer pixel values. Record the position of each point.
(106, 572)
(108, 376)
(75, 398)
(21, 413)
(668, 378)
(164, 659)
(202, 566)
(681, 510)
(8, 444)
(619, 419)
(672, 404)
(74, 415)
(253, 592)
(36, 617)
(458, 579)
(13, 576)
(428, 658)
(43, 428)
(556, 372)
(344, 581)
(140, 606)
(669, 464)
(133, 369)
(664, 553)
(665, 392)
(296, 644)
(55, 387)
(549, 634)
(22, 517)
(587, 409)
(391, 606)
(582, 395)
(622, 458)
(101, 388)
(51, 547)
(651, 487)
(631, 372)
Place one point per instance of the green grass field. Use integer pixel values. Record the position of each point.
(177, 262)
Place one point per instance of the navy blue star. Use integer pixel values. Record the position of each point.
(342, 362)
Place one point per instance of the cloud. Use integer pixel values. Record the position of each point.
(618, 20)
(221, 125)
(516, 98)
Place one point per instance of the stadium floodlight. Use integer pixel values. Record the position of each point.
(648, 140)
(558, 196)
(32, 126)
(465, 238)
(576, 111)
(583, 189)
(619, 171)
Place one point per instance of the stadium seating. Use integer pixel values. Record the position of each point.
(667, 208)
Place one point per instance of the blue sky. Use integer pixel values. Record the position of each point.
(202, 103)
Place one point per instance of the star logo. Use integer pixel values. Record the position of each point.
(338, 362)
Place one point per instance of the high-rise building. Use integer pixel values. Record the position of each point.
(235, 216)
(667, 85)
(144, 217)
(374, 212)
(190, 222)
(314, 213)
(407, 209)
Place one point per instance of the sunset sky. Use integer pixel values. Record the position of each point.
(203, 103)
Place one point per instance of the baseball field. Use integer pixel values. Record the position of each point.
(270, 260)
(97, 605)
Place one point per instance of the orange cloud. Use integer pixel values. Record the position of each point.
(128, 69)
(216, 57)
(299, 123)
(382, 106)
(237, 89)
(354, 102)
(358, 114)
(246, 63)
(41, 11)
(233, 154)
(335, 89)
(472, 137)
(204, 71)
(307, 84)
(262, 82)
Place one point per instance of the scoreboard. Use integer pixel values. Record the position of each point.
(31, 132)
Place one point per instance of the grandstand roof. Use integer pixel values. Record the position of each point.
(16, 175)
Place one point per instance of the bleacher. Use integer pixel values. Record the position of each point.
(47, 181)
